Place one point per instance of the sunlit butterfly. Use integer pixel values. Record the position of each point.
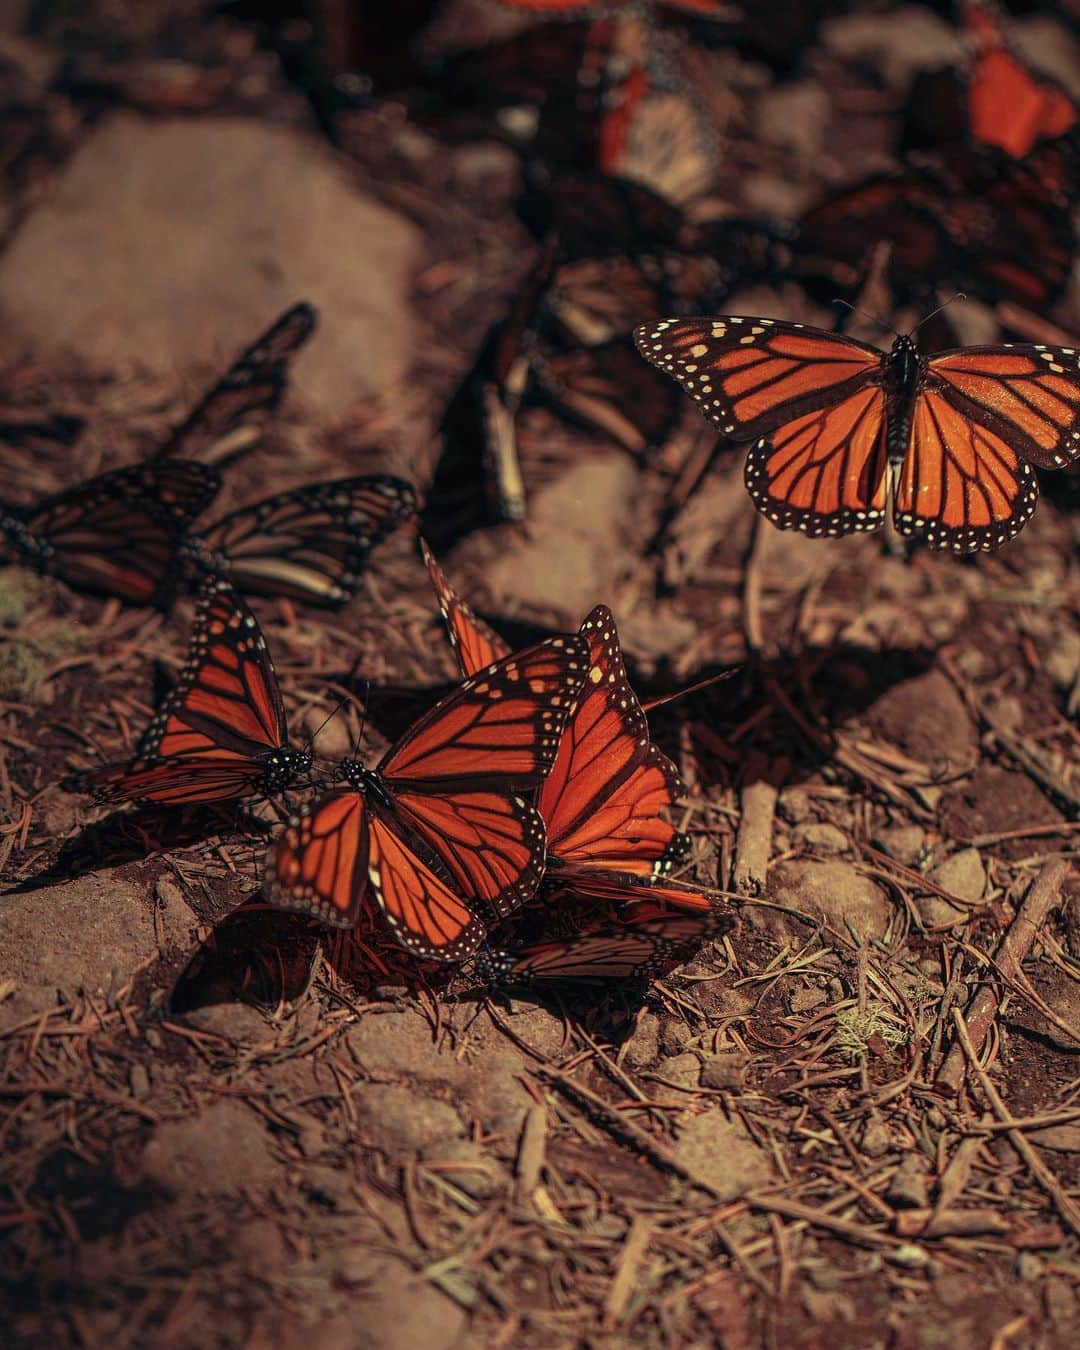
(309, 544)
(221, 732)
(227, 421)
(117, 534)
(834, 425)
(450, 787)
(605, 799)
(646, 938)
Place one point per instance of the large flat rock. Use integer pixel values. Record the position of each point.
(167, 242)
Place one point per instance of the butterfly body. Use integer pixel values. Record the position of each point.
(833, 427)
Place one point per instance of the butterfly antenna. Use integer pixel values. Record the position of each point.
(960, 295)
(874, 318)
(363, 722)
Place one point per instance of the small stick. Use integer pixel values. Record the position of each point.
(753, 844)
(1043, 896)
(531, 1149)
(1038, 1169)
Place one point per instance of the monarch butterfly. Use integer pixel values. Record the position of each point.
(596, 387)
(834, 425)
(706, 9)
(603, 800)
(595, 215)
(308, 544)
(117, 534)
(221, 732)
(227, 421)
(448, 787)
(644, 940)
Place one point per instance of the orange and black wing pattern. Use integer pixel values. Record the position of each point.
(823, 472)
(961, 485)
(221, 732)
(1009, 105)
(475, 644)
(750, 376)
(332, 856)
(648, 938)
(118, 534)
(227, 422)
(604, 800)
(499, 730)
(310, 544)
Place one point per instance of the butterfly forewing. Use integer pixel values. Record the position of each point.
(227, 421)
(1028, 395)
(309, 544)
(319, 864)
(750, 376)
(499, 731)
(475, 644)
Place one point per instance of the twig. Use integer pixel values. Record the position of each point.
(1043, 896)
(1038, 1169)
(753, 844)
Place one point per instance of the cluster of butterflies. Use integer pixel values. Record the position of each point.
(134, 533)
(528, 808)
(840, 438)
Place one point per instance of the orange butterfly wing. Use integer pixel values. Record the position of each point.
(750, 376)
(1028, 395)
(824, 471)
(498, 730)
(961, 486)
(326, 859)
(221, 732)
(603, 799)
(475, 644)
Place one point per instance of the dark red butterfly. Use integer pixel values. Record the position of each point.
(646, 938)
(603, 802)
(833, 425)
(117, 534)
(449, 788)
(221, 732)
(704, 9)
(999, 228)
(228, 420)
(309, 544)
(595, 215)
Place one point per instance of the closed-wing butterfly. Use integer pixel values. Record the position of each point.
(644, 939)
(451, 786)
(604, 800)
(228, 420)
(311, 543)
(221, 732)
(834, 425)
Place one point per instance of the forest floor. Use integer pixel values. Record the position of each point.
(855, 1122)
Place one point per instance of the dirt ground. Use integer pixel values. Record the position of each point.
(855, 1122)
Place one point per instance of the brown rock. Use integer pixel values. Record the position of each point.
(721, 1154)
(926, 718)
(149, 252)
(829, 892)
(220, 1151)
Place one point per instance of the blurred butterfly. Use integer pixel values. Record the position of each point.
(595, 215)
(449, 790)
(228, 420)
(478, 475)
(835, 426)
(311, 543)
(603, 802)
(999, 229)
(645, 939)
(598, 388)
(998, 101)
(703, 9)
(221, 732)
(118, 534)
